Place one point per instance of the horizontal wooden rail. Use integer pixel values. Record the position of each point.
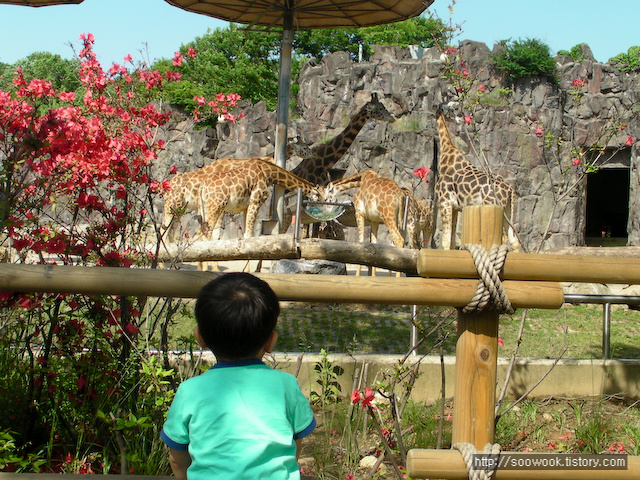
(449, 464)
(528, 266)
(301, 288)
(276, 247)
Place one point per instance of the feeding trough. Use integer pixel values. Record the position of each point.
(322, 211)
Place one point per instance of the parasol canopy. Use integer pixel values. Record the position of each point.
(40, 3)
(307, 13)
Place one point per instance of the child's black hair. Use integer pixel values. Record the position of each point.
(236, 313)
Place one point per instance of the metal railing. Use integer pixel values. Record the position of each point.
(633, 301)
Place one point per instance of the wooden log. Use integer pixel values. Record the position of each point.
(363, 253)
(527, 266)
(449, 464)
(275, 247)
(304, 288)
(477, 345)
(264, 247)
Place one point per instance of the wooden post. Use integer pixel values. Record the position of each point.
(477, 347)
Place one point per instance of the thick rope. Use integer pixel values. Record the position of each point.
(490, 293)
(468, 451)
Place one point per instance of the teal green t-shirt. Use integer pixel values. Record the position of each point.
(239, 420)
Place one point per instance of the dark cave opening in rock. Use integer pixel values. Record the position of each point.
(607, 207)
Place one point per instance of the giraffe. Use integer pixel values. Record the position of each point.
(326, 155)
(184, 193)
(419, 221)
(460, 184)
(316, 168)
(243, 188)
(381, 200)
(246, 188)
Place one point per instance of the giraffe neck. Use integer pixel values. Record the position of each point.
(290, 181)
(329, 153)
(353, 181)
(449, 156)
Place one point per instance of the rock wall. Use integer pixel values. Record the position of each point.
(507, 133)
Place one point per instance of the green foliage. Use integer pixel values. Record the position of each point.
(575, 53)
(627, 62)
(422, 31)
(521, 58)
(228, 60)
(62, 73)
(246, 62)
(327, 375)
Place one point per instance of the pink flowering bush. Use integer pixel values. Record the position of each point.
(78, 180)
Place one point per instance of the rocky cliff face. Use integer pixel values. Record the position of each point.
(510, 129)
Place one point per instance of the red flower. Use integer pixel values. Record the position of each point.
(368, 398)
(130, 329)
(576, 162)
(355, 397)
(629, 141)
(81, 382)
(467, 119)
(422, 172)
(177, 59)
(539, 132)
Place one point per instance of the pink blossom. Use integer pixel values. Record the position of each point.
(500, 341)
(422, 172)
(482, 88)
(629, 141)
(539, 132)
(368, 398)
(467, 119)
(178, 59)
(575, 162)
(191, 52)
(128, 57)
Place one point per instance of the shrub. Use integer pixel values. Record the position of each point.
(575, 53)
(627, 62)
(521, 58)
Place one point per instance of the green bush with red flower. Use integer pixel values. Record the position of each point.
(78, 180)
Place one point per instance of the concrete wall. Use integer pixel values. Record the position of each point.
(569, 377)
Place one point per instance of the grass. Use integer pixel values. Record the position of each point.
(385, 329)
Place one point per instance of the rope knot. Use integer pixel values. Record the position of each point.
(490, 292)
(486, 470)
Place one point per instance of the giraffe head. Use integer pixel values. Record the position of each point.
(299, 150)
(375, 110)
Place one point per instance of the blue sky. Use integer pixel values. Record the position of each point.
(125, 26)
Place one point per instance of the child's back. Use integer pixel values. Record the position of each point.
(240, 419)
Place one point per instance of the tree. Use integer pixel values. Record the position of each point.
(247, 61)
(62, 73)
(228, 60)
(422, 31)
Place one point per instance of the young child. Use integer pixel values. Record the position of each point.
(240, 419)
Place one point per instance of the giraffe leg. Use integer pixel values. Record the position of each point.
(446, 211)
(454, 228)
(360, 223)
(396, 236)
(374, 239)
(215, 216)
